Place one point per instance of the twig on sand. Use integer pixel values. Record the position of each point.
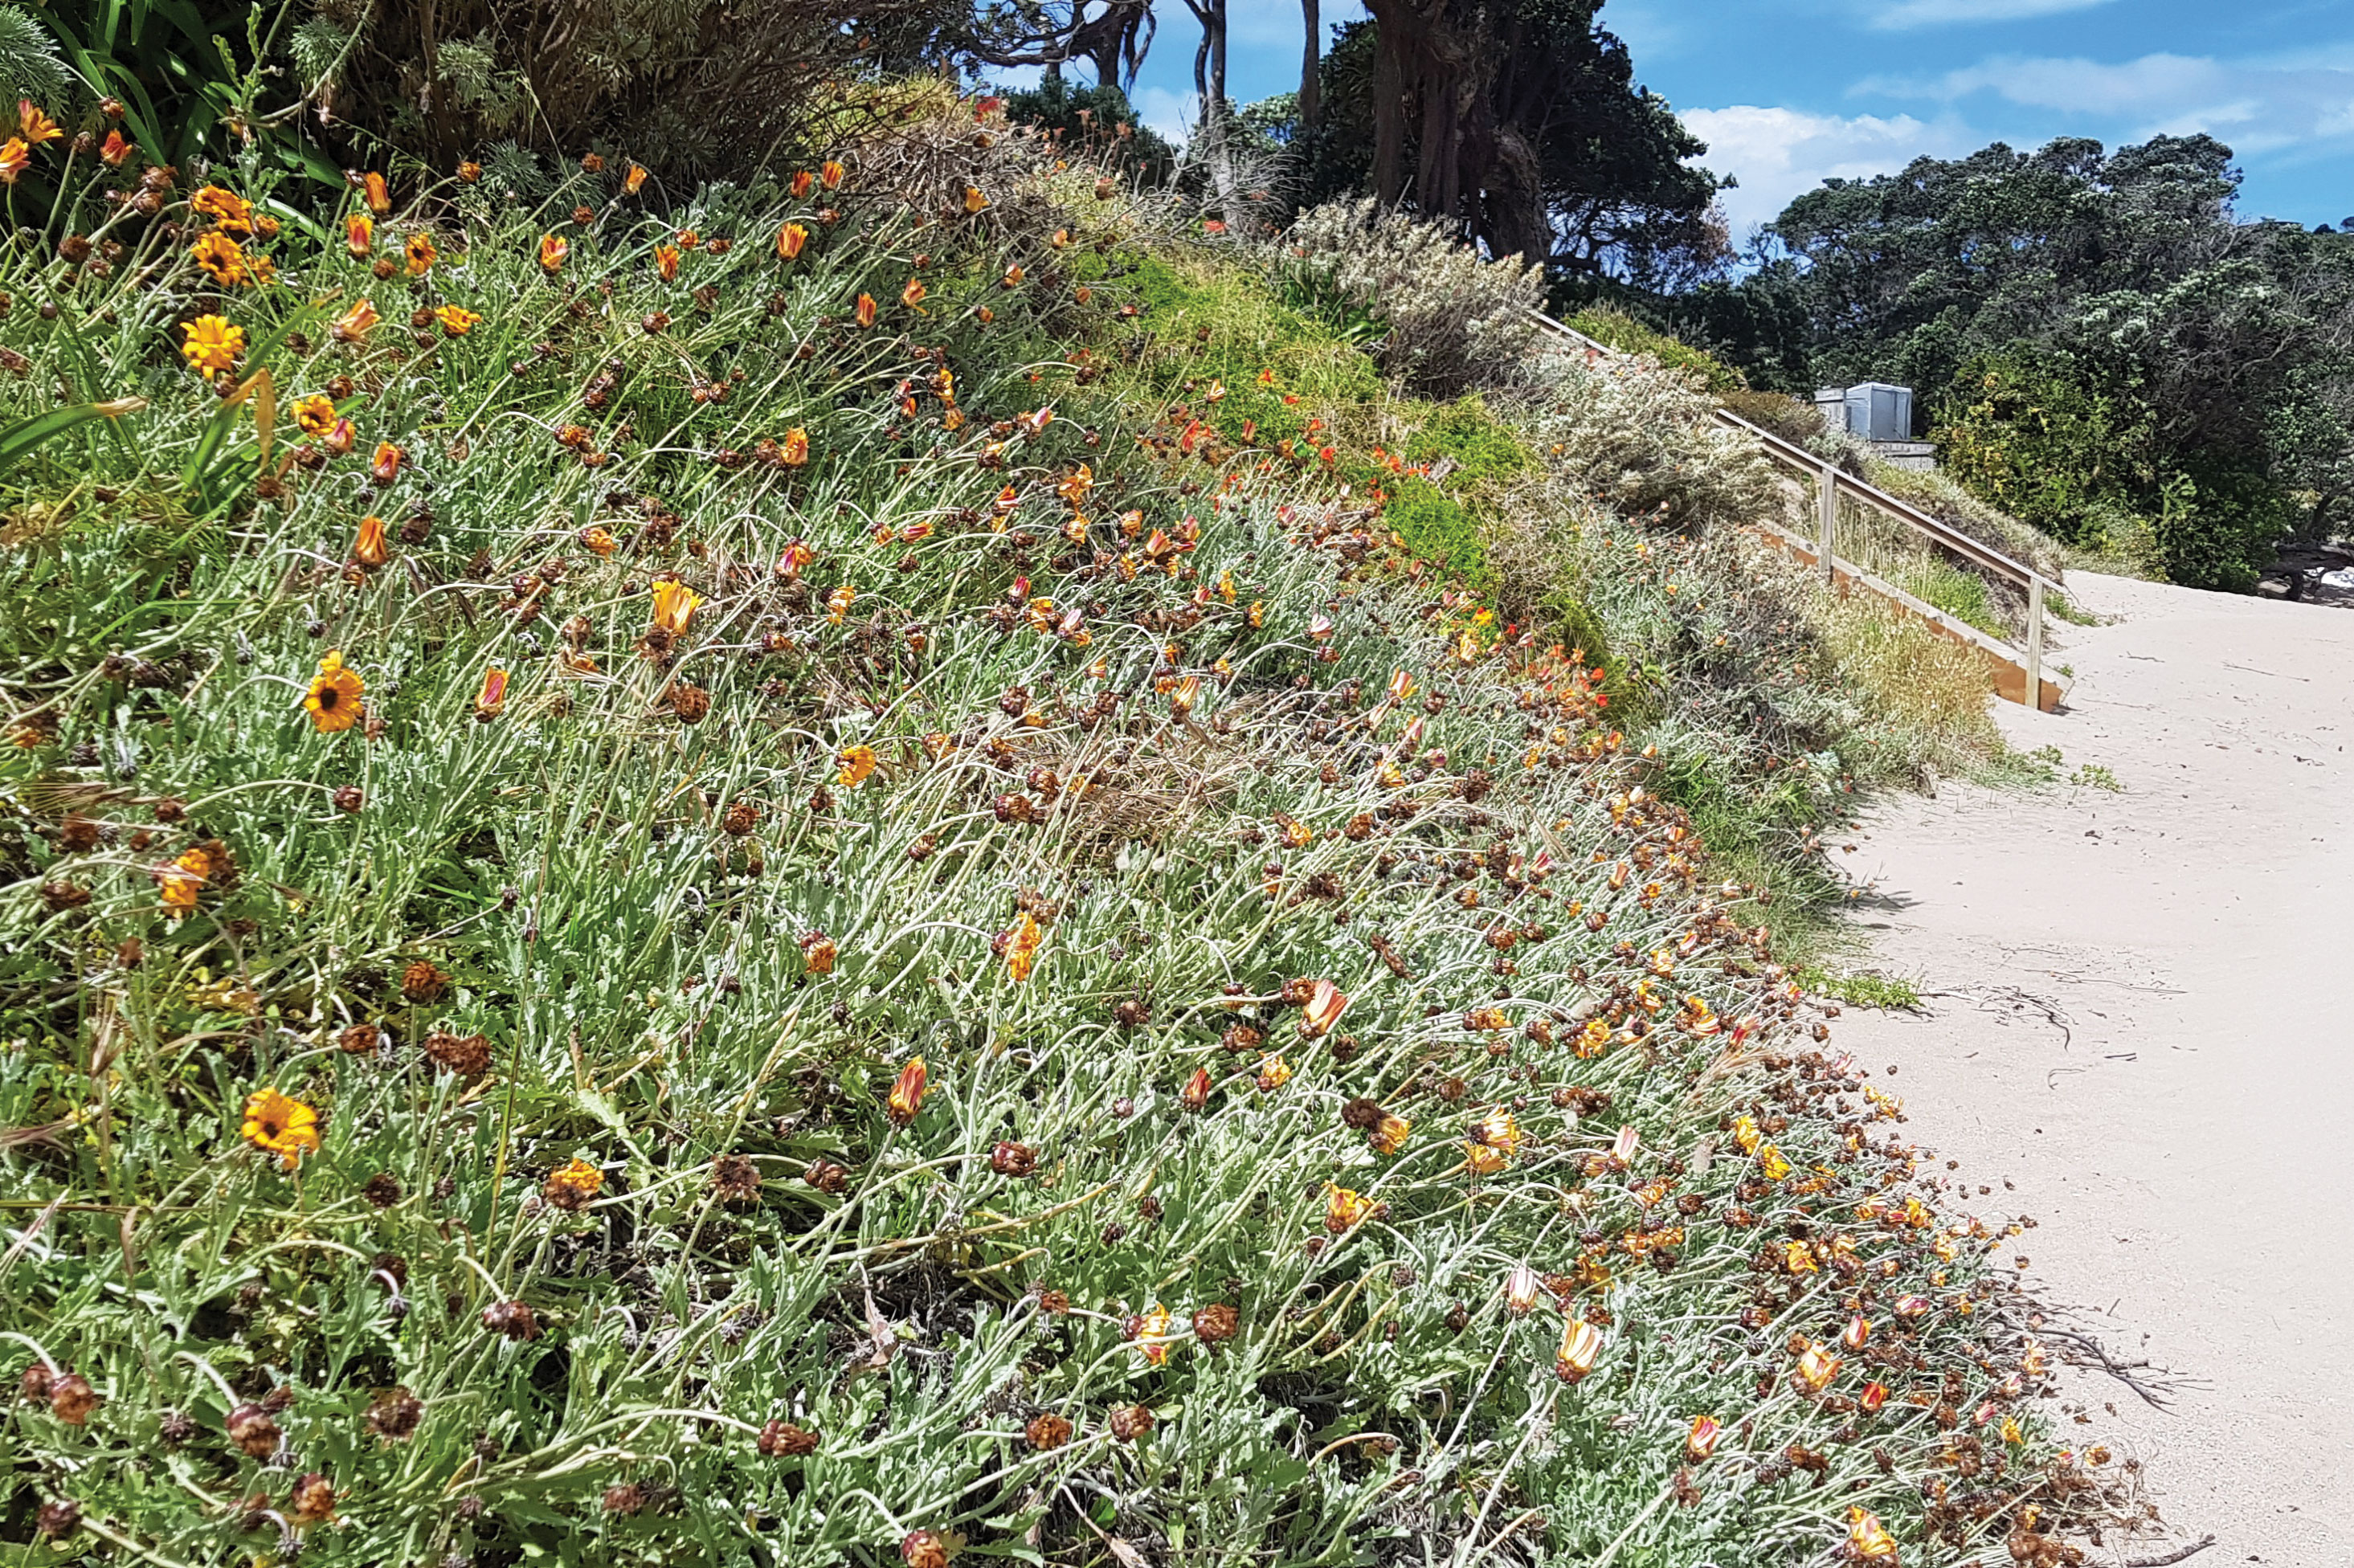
(2122, 1374)
(2193, 1549)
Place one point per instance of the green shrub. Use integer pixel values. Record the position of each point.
(1623, 333)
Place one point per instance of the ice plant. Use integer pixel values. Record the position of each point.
(333, 699)
(907, 1092)
(277, 1125)
(212, 344)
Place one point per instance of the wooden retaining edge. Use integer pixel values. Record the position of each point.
(2003, 664)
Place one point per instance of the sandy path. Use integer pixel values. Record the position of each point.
(2141, 1018)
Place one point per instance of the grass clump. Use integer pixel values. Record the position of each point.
(789, 908)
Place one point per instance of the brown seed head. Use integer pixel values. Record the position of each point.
(420, 981)
(1047, 1431)
(1214, 1323)
(783, 1440)
(1130, 1422)
(252, 1429)
(71, 1399)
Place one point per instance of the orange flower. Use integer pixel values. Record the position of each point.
(1325, 1003)
(552, 252)
(352, 324)
(688, 239)
(803, 181)
(795, 451)
(907, 1092)
(339, 437)
(386, 464)
(314, 415)
(471, 172)
(379, 199)
(913, 294)
(789, 240)
(1873, 1396)
(1817, 1367)
(1151, 1333)
(1581, 1346)
(277, 1125)
(421, 254)
(819, 952)
(1867, 1538)
(837, 604)
(829, 174)
(1012, 278)
(675, 605)
(359, 233)
(456, 320)
(492, 699)
(115, 150)
(1022, 950)
(1196, 1092)
(182, 880)
(221, 258)
(1483, 1159)
(571, 1188)
(213, 344)
(1701, 1441)
(635, 180)
(15, 159)
(866, 309)
(858, 766)
(333, 699)
(35, 126)
(600, 539)
(1344, 1210)
(370, 549)
(666, 261)
(973, 200)
(1389, 1135)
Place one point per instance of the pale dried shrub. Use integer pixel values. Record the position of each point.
(1639, 438)
(1455, 321)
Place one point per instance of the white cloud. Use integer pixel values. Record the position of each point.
(1778, 153)
(1940, 12)
(1171, 114)
(2256, 106)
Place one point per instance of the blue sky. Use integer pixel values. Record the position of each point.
(1788, 91)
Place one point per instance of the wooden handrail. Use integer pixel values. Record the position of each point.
(1831, 481)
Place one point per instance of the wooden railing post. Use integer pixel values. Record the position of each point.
(2035, 644)
(1828, 507)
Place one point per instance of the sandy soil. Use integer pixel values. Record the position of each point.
(2138, 1013)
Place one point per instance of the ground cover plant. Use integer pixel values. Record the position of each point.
(757, 884)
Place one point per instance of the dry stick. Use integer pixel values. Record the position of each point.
(2193, 1549)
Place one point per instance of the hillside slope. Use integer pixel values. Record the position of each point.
(786, 886)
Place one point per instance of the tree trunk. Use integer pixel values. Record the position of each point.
(1312, 82)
